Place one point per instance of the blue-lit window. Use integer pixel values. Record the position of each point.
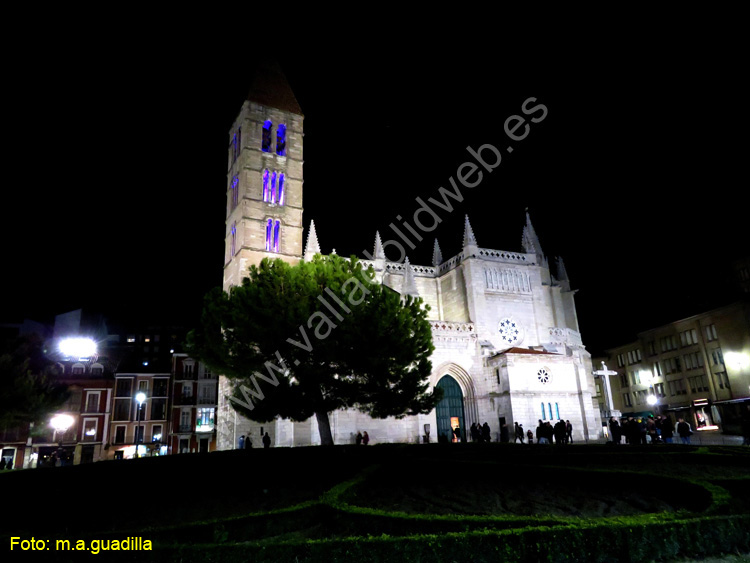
(557, 410)
(280, 189)
(272, 194)
(543, 415)
(273, 187)
(235, 191)
(267, 136)
(233, 241)
(549, 406)
(273, 235)
(236, 144)
(281, 140)
(266, 193)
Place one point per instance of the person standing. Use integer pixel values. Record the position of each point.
(559, 430)
(358, 439)
(540, 434)
(667, 429)
(683, 429)
(519, 433)
(486, 433)
(241, 445)
(568, 432)
(615, 431)
(266, 440)
(365, 438)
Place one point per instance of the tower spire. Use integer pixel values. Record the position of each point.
(469, 239)
(562, 274)
(530, 241)
(437, 256)
(379, 253)
(269, 87)
(313, 246)
(410, 284)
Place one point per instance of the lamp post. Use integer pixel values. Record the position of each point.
(61, 423)
(140, 397)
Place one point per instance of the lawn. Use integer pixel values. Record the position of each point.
(437, 502)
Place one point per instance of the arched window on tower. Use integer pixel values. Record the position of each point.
(235, 191)
(266, 194)
(281, 140)
(272, 194)
(267, 136)
(280, 189)
(233, 241)
(273, 234)
(236, 144)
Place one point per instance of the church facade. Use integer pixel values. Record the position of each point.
(507, 345)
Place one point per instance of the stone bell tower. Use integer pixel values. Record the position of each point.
(264, 206)
(264, 177)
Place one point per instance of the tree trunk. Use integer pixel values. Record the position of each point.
(324, 427)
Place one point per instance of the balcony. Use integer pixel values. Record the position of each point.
(184, 428)
(206, 427)
(184, 400)
(207, 401)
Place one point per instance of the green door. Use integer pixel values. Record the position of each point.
(450, 409)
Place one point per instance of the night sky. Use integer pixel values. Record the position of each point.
(115, 186)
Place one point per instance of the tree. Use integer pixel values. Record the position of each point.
(308, 339)
(28, 390)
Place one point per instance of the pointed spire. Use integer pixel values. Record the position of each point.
(270, 88)
(437, 256)
(530, 240)
(313, 246)
(562, 275)
(469, 238)
(410, 284)
(379, 253)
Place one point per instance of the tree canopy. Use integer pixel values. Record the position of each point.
(28, 389)
(318, 336)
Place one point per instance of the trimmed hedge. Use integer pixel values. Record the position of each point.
(584, 543)
(334, 528)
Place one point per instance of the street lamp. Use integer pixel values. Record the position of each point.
(61, 423)
(140, 397)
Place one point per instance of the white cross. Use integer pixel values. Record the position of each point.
(602, 373)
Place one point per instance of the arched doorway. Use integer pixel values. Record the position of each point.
(450, 409)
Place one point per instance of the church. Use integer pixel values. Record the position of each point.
(507, 344)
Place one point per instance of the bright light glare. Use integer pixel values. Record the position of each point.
(61, 422)
(737, 360)
(651, 400)
(140, 397)
(78, 347)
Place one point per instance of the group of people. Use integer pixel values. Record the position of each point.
(362, 438)
(480, 433)
(245, 443)
(6, 464)
(649, 430)
(561, 433)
